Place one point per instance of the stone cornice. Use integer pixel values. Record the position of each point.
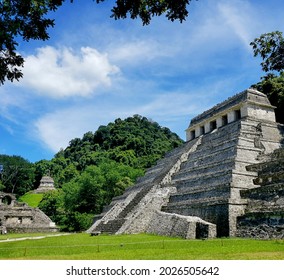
(238, 99)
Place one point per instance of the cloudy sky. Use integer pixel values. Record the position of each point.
(95, 69)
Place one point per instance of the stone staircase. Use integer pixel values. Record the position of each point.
(113, 225)
(122, 207)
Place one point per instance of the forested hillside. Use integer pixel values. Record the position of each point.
(100, 165)
(135, 141)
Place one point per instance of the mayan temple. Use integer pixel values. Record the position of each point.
(211, 185)
(46, 184)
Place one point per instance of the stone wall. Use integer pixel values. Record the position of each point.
(182, 226)
(209, 182)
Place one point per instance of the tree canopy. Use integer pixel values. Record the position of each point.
(270, 46)
(135, 141)
(145, 9)
(30, 19)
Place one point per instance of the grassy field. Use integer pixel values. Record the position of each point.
(140, 247)
(32, 199)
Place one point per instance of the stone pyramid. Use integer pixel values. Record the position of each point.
(195, 190)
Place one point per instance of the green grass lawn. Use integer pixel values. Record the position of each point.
(32, 199)
(140, 247)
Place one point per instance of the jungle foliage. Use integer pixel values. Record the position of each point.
(135, 141)
(91, 170)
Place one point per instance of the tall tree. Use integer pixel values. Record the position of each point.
(17, 175)
(29, 19)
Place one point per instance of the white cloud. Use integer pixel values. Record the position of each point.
(137, 51)
(10, 99)
(56, 129)
(241, 19)
(62, 72)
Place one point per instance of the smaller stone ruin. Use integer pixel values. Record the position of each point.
(46, 184)
(19, 217)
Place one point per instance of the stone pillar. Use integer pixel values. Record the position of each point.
(190, 134)
(207, 127)
(231, 116)
(197, 131)
(244, 110)
(219, 122)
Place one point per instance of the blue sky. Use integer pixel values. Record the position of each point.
(95, 69)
